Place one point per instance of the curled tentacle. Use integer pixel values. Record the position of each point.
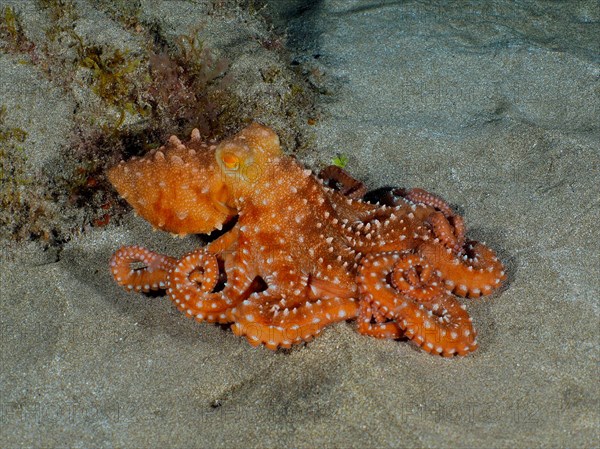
(449, 230)
(372, 323)
(475, 273)
(339, 179)
(429, 199)
(429, 317)
(412, 275)
(152, 275)
(263, 319)
(469, 269)
(190, 286)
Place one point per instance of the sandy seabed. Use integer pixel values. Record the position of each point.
(495, 109)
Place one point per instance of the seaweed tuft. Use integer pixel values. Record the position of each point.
(113, 78)
(22, 210)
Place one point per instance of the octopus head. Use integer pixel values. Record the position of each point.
(191, 188)
(177, 188)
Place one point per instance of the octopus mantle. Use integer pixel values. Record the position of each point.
(301, 255)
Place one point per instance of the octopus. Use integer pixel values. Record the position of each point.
(297, 252)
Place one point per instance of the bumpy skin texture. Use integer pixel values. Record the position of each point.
(301, 255)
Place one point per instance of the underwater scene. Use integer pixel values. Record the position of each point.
(296, 223)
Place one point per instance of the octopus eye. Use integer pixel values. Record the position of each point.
(231, 161)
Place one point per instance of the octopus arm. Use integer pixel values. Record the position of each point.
(378, 329)
(151, 275)
(429, 317)
(192, 282)
(476, 273)
(261, 320)
(225, 243)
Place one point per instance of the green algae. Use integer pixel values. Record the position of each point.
(340, 160)
(14, 179)
(12, 35)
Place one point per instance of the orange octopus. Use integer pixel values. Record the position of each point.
(297, 254)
